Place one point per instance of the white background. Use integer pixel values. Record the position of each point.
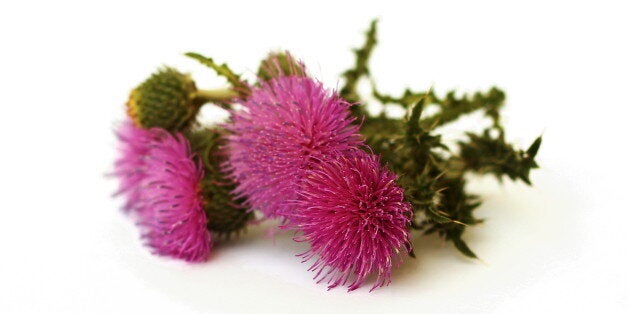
(66, 70)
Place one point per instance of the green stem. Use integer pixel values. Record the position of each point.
(222, 97)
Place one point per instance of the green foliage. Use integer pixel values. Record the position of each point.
(433, 176)
(456, 204)
(223, 70)
(352, 76)
(226, 215)
(165, 100)
(450, 107)
(491, 154)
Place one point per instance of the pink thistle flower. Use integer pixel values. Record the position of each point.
(134, 146)
(161, 181)
(174, 222)
(286, 124)
(354, 216)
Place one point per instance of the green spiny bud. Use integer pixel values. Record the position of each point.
(279, 63)
(226, 215)
(164, 100)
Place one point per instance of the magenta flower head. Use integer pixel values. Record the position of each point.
(160, 179)
(174, 222)
(354, 216)
(287, 123)
(130, 168)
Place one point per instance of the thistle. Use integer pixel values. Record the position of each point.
(169, 99)
(291, 150)
(130, 167)
(164, 100)
(173, 222)
(295, 155)
(353, 214)
(163, 181)
(288, 124)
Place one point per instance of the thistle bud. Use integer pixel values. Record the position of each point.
(279, 64)
(165, 100)
(226, 214)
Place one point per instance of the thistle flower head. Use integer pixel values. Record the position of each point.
(286, 124)
(130, 168)
(354, 216)
(173, 222)
(165, 100)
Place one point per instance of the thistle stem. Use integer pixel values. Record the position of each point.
(222, 96)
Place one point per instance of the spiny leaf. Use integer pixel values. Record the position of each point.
(415, 115)
(360, 69)
(222, 70)
(408, 98)
(463, 247)
(488, 154)
(425, 197)
(534, 148)
(452, 108)
(436, 217)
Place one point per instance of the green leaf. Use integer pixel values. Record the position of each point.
(222, 70)
(534, 148)
(489, 154)
(463, 247)
(452, 108)
(435, 216)
(412, 125)
(359, 70)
